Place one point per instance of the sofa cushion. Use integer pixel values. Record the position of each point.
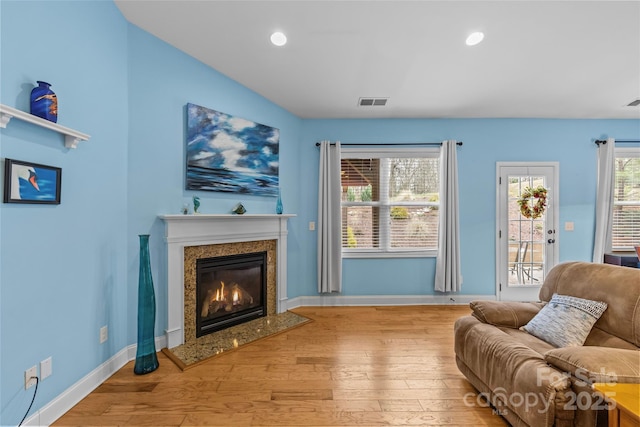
(517, 376)
(566, 321)
(534, 343)
(597, 364)
(618, 286)
(509, 314)
(600, 338)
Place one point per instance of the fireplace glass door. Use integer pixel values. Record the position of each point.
(230, 290)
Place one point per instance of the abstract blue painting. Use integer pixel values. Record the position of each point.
(230, 154)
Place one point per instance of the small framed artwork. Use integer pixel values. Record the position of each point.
(26, 182)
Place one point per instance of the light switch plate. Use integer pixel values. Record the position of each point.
(46, 368)
(104, 334)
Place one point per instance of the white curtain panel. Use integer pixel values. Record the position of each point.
(604, 200)
(448, 274)
(329, 220)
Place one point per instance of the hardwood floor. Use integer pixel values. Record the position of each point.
(351, 366)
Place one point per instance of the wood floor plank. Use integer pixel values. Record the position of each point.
(157, 420)
(72, 420)
(141, 387)
(219, 420)
(298, 394)
(401, 405)
(351, 366)
(346, 418)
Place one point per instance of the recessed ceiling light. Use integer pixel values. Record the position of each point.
(278, 38)
(474, 38)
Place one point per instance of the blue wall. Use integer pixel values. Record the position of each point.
(162, 80)
(486, 141)
(67, 270)
(63, 268)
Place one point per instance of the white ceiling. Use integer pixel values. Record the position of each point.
(539, 59)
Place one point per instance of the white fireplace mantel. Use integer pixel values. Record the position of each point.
(202, 229)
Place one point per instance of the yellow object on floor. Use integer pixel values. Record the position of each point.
(625, 403)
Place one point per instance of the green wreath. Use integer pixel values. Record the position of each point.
(535, 211)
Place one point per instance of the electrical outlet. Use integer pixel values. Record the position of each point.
(312, 226)
(30, 376)
(46, 368)
(104, 334)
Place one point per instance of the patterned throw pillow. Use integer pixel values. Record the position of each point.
(565, 321)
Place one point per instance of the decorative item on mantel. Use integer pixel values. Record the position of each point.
(44, 102)
(146, 358)
(239, 209)
(196, 204)
(279, 207)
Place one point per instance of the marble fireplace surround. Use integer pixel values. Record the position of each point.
(202, 230)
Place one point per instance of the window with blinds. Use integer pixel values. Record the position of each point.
(626, 200)
(390, 201)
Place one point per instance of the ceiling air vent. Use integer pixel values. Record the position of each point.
(634, 103)
(371, 102)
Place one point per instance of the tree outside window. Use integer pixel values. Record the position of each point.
(390, 202)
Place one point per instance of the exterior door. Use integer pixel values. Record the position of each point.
(527, 242)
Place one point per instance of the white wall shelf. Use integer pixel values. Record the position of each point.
(71, 137)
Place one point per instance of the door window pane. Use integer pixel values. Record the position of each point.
(526, 235)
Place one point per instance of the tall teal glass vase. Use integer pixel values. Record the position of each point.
(146, 358)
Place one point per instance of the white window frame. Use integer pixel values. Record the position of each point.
(385, 251)
(624, 152)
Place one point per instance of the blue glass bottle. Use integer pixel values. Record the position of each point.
(146, 358)
(44, 102)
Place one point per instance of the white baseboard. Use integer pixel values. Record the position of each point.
(364, 300)
(56, 408)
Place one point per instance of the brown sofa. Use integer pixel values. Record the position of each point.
(530, 382)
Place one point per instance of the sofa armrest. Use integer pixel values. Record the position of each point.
(592, 364)
(509, 314)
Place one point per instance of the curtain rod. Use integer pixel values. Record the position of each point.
(621, 141)
(392, 144)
